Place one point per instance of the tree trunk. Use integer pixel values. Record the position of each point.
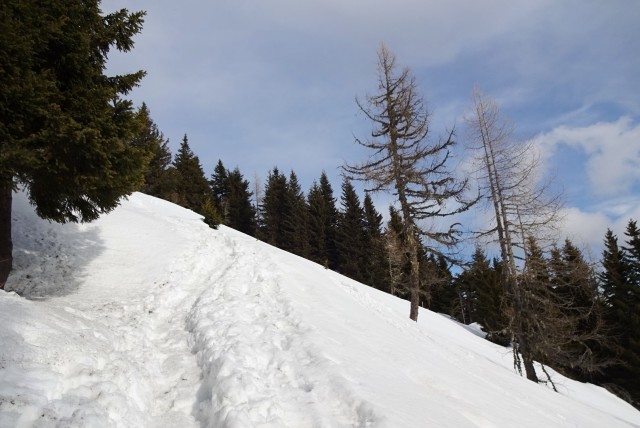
(414, 280)
(6, 246)
(527, 362)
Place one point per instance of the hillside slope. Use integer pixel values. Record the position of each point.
(149, 318)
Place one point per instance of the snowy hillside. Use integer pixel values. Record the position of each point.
(149, 318)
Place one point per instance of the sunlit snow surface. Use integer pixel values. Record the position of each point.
(149, 318)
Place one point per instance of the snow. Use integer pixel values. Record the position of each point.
(148, 318)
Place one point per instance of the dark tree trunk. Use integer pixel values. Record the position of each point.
(527, 361)
(415, 304)
(6, 246)
(414, 279)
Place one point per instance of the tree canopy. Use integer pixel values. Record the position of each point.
(65, 130)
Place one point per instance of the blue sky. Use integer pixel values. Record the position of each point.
(260, 84)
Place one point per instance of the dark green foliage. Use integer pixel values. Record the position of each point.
(220, 187)
(492, 305)
(576, 292)
(614, 275)
(477, 295)
(275, 208)
(296, 231)
(192, 189)
(210, 213)
(375, 262)
(232, 199)
(284, 214)
(322, 223)
(397, 259)
(239, 213)
(64, 131)
(631, 332)
(159, 178)
(558, 317)
(64, 128)
(621, 295)
(445, 296)
(351, 234)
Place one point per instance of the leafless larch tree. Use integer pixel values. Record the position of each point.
(404, 162)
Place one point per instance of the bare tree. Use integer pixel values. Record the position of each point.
(403, 162)
(523, 205)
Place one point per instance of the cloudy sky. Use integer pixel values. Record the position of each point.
(269, 83)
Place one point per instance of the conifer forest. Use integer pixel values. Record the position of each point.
(523, 282)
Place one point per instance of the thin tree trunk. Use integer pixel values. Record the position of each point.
(6, 245)
(414, 280)
(527, 361)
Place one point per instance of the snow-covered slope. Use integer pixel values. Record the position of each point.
(149, 318)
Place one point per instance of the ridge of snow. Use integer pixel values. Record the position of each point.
(147, 317)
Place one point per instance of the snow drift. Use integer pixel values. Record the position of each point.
(149, 318)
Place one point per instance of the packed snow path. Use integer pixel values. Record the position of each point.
(147, 318)
(194, 333)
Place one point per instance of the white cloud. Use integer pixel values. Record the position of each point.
(613, 151)
(587, 228)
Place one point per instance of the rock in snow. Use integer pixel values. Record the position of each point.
(148, 318)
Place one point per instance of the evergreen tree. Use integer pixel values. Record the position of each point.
(220, 187)
(240, 214)
(192, 188)
(322, 223)
(317, 224)
(444, 294)
(375, 255)
(64, 128)
(275, 209)
(632, 256)
(351, 234)
(631, 332)
(492, 305)
(397, 260)
(613, 279)
(621, 293)
(458, 298)
(557, 319)
(576, 293)
(159, 177)
(296, 230)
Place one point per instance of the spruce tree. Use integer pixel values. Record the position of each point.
(351, 234)
(445, 295)
(576, 292)
(492, 305)
(275, 209)
(318, 213)
(397, 259)
(192, 188)
(65, 129)
(556, 318)
(240, 213)
(322, 223)
(627, 310)
(159, 177)
(296, 231)
(375, 254)
(613, 278)
(220, 187)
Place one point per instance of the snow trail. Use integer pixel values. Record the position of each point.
(259, 367)
(131, 363)
(148, 318)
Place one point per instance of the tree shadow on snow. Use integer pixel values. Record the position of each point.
(49, 259)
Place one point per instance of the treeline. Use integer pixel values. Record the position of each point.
(93, 148)
(585, 317)
(581, 319)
